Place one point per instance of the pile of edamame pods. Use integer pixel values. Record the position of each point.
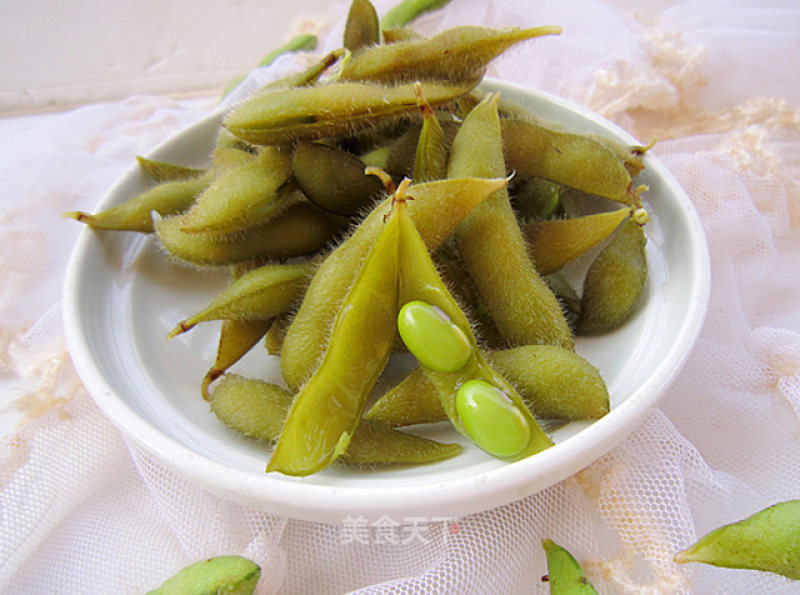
(377, 203)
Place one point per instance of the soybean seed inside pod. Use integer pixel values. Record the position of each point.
(308, 113)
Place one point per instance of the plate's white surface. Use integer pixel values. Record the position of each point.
(122, 296)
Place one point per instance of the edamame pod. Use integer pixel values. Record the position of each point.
(615, 282)
(327, 409)
(302, 228)
(261, 294)
(436, 209)
(135, 214)
(236, 338)
(430, 158)
(554, 383)
(454, 54)
(337, 108)
(235, 575)
(480, 404)
(402, 152)
(565, 575)
(536, 198)
(273, 340)
(769, 540)
(361, 29)
(554, 244)
(257, 409)
(400, 34)
(524, 309)
(162, 171)
(333, 179)
(242, 197)
(534, 150)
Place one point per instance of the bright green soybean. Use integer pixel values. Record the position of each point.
(565, 575)
(432, 338)
(492, 419)
(234, 575)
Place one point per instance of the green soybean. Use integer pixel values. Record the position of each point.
(436, 209)
(361, 28)
(235, 575)
(615, 282)
(338, 108)
(261, 294)
(769, 540)
(333, 179)
(565, 575)
(554, 244)
(554, 383)
(491, 242)
(456, 53)
(135, 214)
(300, 229)
(432, 338)
(492, 419)
(257, 410)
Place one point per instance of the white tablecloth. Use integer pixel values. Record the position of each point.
(717, 83)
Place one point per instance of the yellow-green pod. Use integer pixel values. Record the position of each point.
(136, 214)
(162, 171)
(769, 540)
(361, 29)
(400, 34)
(524, 309)
(402, 155)
(456, 53)
(261, 294)
(564, 573)
(479, 402)
(534, 150)
(326, 410)
(554, 244)
(430, 157)
(234, 575)
(554, 383)
(407, 11)
(301, 228)
(436, 209)
(257, 410)
(338, 108)
(273, 340)
(333, 179)
(615, 282)
(236, 338)
(242, 197)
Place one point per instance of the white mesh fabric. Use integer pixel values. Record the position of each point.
(715, 82)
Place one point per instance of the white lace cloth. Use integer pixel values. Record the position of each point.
(717, 82)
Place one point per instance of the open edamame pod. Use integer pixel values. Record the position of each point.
(436, 209)
(615, 282)
(257, 409)
(524, 309)
(553, 244)
(480, 403)
(454, 54)
(564, 574)
(337, 108)
(769, 540)
(135, 214)
(554, 383)
(327, 408)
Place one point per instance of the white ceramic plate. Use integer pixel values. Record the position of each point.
(122, 296)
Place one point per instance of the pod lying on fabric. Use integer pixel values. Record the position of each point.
(302, 228)
(454, 54)
(337, 108)
(565, 575)
(554, 383)
(769, 540)
(436, 209)
(523, 308)
(257, 409)
(234, 575)
(615, 282)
